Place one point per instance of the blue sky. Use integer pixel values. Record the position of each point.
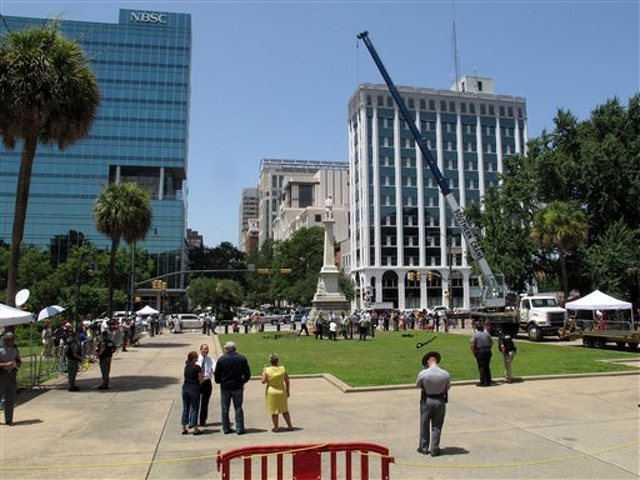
(272, 79)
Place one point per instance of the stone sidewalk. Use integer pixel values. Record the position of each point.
(561, 428)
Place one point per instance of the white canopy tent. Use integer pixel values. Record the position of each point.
(147, 310)
(13, 316)
(598, 301)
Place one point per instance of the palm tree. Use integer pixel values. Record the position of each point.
(560, 225)
(122, 210)
(48, 95)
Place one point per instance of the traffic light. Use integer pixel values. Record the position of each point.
(418, 276)
(263, 271)
(411, 276)
(429, 276)
(286, 271)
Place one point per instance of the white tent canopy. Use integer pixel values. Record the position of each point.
(598, 301)
(147, 310)
(13, 316)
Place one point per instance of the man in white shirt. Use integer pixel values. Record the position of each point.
(207, 365)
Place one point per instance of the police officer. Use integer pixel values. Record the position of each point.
(481, 344)
(106, 347)
(74, 357)
(434, 383)
(9, 364)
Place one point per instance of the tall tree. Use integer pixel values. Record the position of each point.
(561, 226)
(48, 95)
(122, 211)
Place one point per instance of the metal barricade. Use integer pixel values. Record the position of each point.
(306, 460)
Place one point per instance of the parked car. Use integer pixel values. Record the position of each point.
(189, 320)
(264, 318)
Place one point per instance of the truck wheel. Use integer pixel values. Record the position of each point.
(620, 345)
(598, 343)
(632, 345)
(534, 333)
(587, 342)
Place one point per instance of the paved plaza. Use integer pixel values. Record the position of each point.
(575, 428)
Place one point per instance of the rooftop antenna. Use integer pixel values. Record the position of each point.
(456, 57)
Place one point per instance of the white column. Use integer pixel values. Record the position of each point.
(441, 202)
(118, 174)
(378, 285)
(364, 188)
(375, 140)
(480, 152)
(462, 200)
(161, 185)
(423, 291)
(466, 294)
(352, 196)
(499, 144)
(526, 136)
(516, 132)
(398, 186)
(401, 293)
(422, 258)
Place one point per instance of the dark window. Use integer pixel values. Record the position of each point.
(389, 102)
(452, 106)
(318, 218)
(423, 104)
(483, 109)
(463, 107)
(411, 103)
(368, 99)
(502, 110)
(443, 106)
(492, 111)
(472, 108)
(380, 101)
(479, 85)
(510, 111)
(305, 196)
(432, 105)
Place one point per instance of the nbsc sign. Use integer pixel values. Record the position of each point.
(149, 17)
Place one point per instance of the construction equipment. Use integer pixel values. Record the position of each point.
(493, 287)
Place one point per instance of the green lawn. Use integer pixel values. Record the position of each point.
(392, 359)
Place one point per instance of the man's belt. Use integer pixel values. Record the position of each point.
(439, 396)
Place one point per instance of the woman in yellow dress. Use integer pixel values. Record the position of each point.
(277, 393)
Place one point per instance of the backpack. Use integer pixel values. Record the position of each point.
(508, 344)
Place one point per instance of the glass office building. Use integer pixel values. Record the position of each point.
(406, 249)
(140, 135)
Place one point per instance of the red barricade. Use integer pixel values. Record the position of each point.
(306, 460)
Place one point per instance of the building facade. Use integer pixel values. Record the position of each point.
(143, 66)
(248, 210)
(405, 248)
(273, 173)
(302, 203)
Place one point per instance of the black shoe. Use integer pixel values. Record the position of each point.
(227, 432)
(241, 432)
(435, 452)
(74, 389)
(11, 424)
(203, 424)
(423, 452)
(103, 387)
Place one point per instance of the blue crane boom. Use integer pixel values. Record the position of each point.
(494, 289)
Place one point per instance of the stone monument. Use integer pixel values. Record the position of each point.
(329, 296)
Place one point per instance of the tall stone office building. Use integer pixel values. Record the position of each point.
(275, 174)
(406, 250)
(143, 66)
